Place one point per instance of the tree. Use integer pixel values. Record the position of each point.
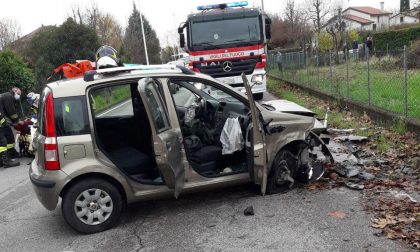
(54, 46)
(107, 28)
(109, 31)
(318, 11)
(354, 35)
(279, 32)
(133, 40)
(9, 31)
(404, 5)
(14, 72)
(292, 15)
(296, 19)
(325, 41)
(167, 52)
(336, 30)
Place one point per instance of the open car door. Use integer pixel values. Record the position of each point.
(166, 140)
(258, 170)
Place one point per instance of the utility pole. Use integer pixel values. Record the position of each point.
(262, 6)
(144, 37)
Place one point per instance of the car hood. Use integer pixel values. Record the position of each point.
(289, 107)
(286, 106)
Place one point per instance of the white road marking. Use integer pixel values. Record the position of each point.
(114, 108)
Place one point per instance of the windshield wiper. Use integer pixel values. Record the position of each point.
(207, 43)
(241, 40)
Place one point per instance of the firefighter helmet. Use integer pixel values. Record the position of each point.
(106, 57)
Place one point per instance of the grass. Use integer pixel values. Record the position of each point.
(336, 118)
(106, 98)
(387, 83)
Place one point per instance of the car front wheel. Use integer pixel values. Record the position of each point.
(92, 205)
(283, 173)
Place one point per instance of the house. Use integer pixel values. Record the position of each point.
(364, 18)
(403, 18)
(409, 17)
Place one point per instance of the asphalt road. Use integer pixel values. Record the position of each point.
(295, 221)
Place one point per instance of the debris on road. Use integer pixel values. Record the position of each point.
(366, 176)
(354, 186)
(249, 211)
(385, 167)
(352, 138)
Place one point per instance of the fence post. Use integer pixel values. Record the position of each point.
(307, 66)
(317, 69)
(330, 63)
(405, 83)
(368, 68)
(347, 73)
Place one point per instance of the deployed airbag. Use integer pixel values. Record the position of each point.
(231, 136)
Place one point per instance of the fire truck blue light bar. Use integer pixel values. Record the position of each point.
(223, 5)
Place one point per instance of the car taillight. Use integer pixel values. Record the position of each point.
(262, 63)
(50, 144)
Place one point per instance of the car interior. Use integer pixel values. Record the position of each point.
(123, 131)
(202, 112)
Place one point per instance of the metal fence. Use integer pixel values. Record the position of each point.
(381, 79)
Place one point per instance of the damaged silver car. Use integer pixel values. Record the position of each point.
(120, 135)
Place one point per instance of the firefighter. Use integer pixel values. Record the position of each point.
(7, 140)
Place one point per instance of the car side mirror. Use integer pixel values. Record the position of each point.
(181, 40)
(268, 28)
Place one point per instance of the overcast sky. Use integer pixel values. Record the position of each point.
(164, 15)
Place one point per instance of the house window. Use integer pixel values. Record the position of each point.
(401, 19)
(374, 27)
(378, 19)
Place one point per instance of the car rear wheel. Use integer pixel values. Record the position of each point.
(92, 205)
(283, 173)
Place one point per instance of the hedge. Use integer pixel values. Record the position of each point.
(397, 39)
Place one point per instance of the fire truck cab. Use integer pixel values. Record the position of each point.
(225, 40)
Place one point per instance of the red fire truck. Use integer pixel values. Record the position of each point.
(224, 40)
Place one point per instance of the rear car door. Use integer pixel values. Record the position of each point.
(166, 139)
(258, 170)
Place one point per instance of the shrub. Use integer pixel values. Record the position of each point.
(396, 39)
(413, 55)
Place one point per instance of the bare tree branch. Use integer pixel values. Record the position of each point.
(318, 12)
(9, 31)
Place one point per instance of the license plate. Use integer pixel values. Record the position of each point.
(229, 81)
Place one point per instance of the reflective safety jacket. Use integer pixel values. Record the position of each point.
(8, 108)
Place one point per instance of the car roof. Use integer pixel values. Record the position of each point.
(78, 86)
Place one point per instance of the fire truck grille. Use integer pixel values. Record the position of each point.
(226, 68)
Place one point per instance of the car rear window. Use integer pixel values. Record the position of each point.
(71, 116)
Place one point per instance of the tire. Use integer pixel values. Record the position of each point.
(109, 198)
(258, 96)
(284, 166)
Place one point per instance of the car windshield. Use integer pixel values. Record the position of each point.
(213, 34)
(219, 94)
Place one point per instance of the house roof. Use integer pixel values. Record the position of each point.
(368, 10)
(357, 19)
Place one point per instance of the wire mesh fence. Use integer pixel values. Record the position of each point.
(380, 79)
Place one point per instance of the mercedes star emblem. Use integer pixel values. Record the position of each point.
(227, 66)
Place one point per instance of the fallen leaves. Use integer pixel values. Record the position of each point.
(383, 222)
(337, 214)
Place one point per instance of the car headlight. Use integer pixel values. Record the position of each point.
(257, 79)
